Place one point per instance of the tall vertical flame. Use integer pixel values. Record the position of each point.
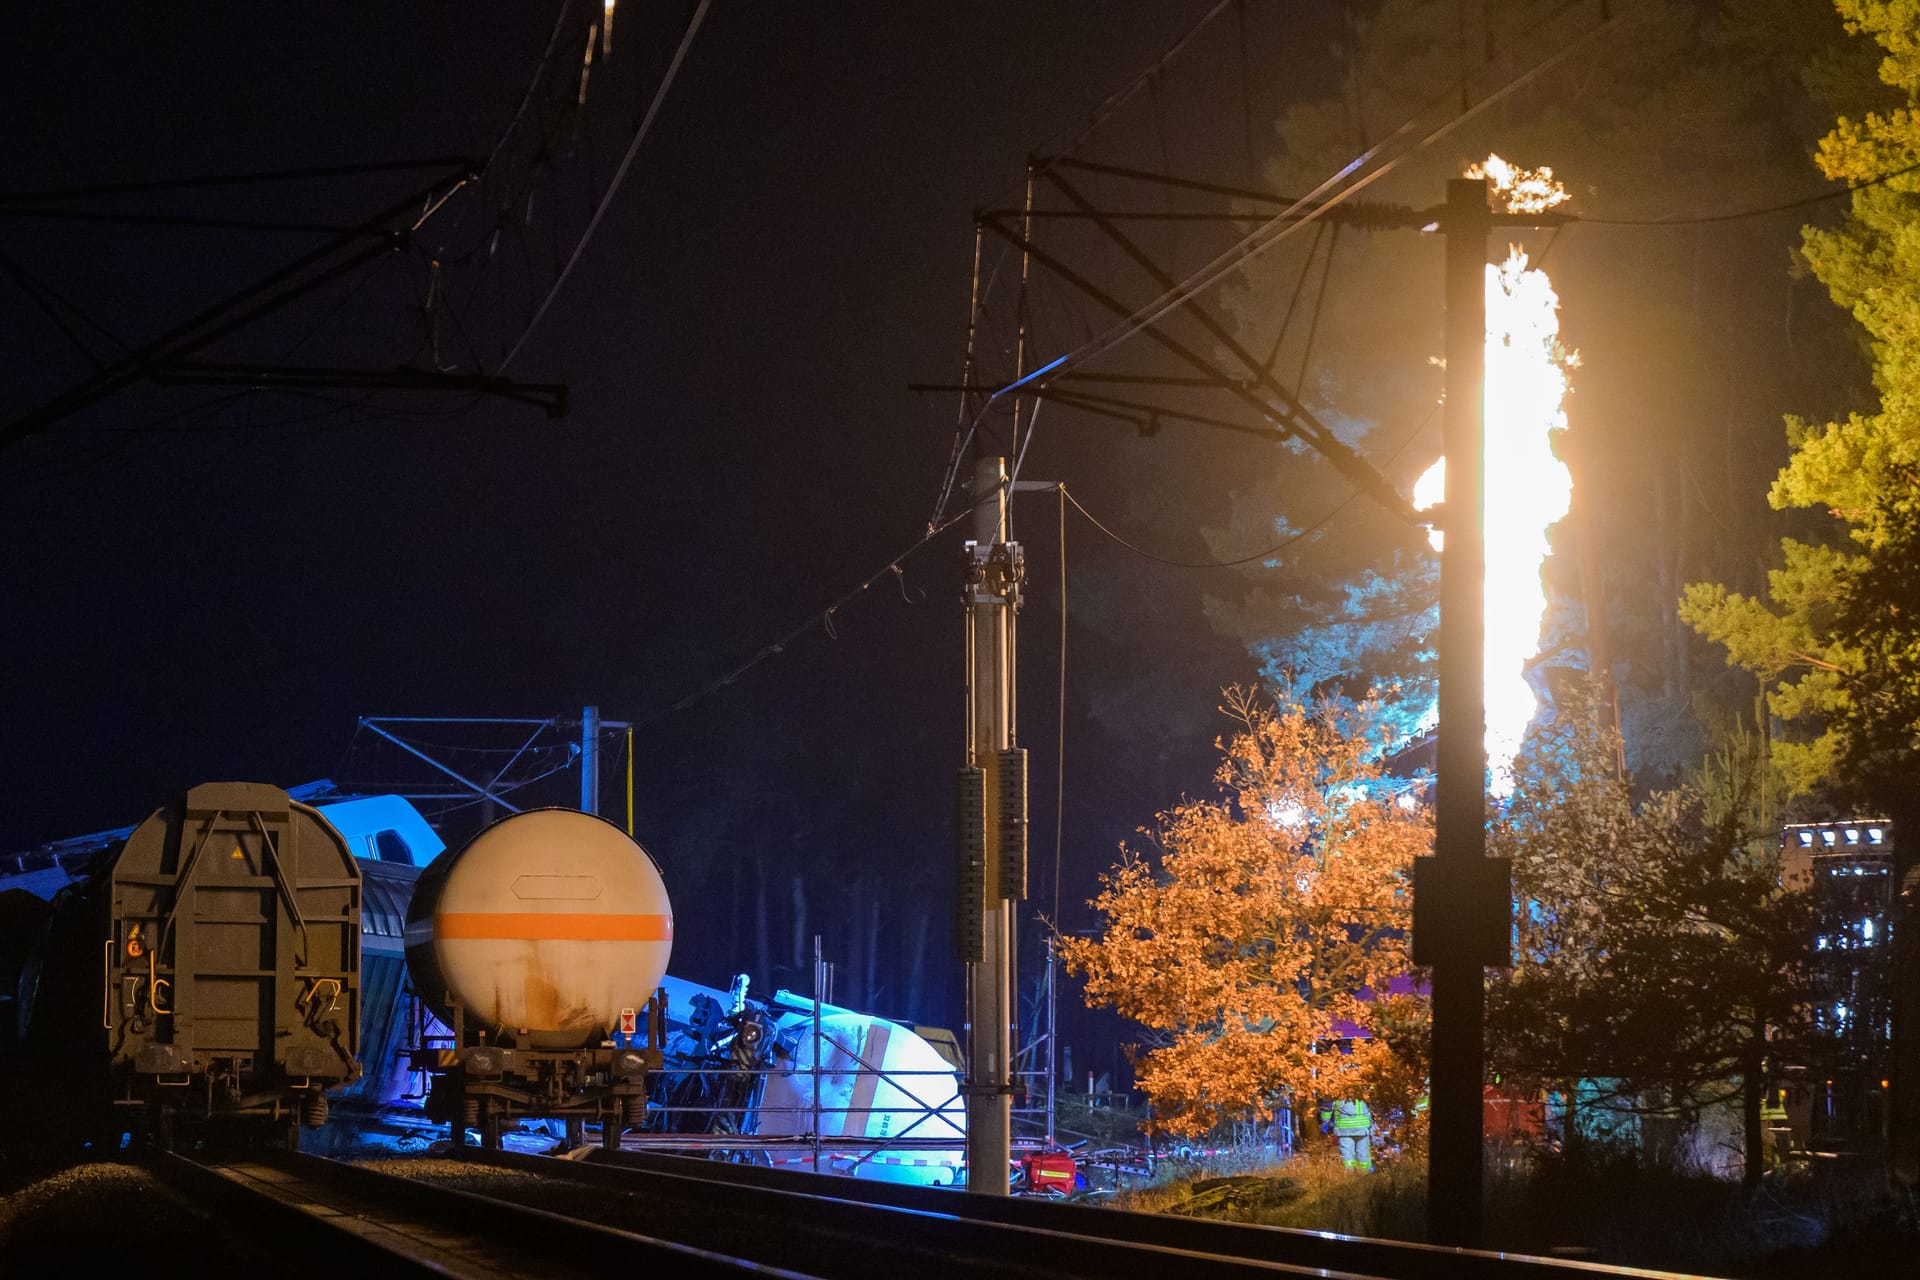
(1527, 488)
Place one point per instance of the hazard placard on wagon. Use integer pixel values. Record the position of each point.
(626, 1022)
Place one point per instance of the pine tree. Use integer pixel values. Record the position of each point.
(1836, 641)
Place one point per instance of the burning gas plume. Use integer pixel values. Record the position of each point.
(1527, 488)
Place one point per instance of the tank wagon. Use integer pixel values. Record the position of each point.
(773, 1068)
(224, 976)
(540, 944)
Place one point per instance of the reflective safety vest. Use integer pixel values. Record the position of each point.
(1352, 1117)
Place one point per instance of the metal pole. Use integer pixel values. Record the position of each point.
(590, 760)
(1452, 903)
(992, 590)
(819, 966)
(1051, 1028)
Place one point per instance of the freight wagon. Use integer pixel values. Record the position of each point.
(205, 973)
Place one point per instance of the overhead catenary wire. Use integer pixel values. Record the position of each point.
(51, 303)
(1319, 305)
(1293, 300)
(1143, 553)
(436, 199)
(115, 441)
(969, 426)
(819, 618)
(1316, 204)
(968, 371)
(236, 179)
(1405, 441)
(1144, 79)
(619, 176)
(263, 296)
(1788, 206)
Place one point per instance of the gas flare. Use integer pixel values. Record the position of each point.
(1527, 488)
(1522, 190)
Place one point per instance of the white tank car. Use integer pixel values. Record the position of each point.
(878, 1081)
(545, 927)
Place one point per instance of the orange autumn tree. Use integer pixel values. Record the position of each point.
(1255, 923)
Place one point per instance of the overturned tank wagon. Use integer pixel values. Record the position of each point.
(208, 976)
(540, 944)
(784, 1080)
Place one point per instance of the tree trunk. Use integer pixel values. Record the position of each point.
(1752, 1087)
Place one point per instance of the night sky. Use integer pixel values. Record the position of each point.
(791, 249)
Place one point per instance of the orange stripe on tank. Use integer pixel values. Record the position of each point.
(559, 926)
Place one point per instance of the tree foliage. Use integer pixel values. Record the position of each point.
(1836, 639)
(1258, 930)
(1657, 948)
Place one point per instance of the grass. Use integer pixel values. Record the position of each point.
(1311, 1192)
(1597, 1205)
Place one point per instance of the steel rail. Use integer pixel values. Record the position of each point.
(812, 1225)
(1312, 1250)
(321, 1216)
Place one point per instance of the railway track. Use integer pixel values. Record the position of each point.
(319, 1217)
(1147, 1239)
(499, 1213)
(810, 1225)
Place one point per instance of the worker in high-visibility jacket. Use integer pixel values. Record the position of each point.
(1776, 1135)
(1350, 1121)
